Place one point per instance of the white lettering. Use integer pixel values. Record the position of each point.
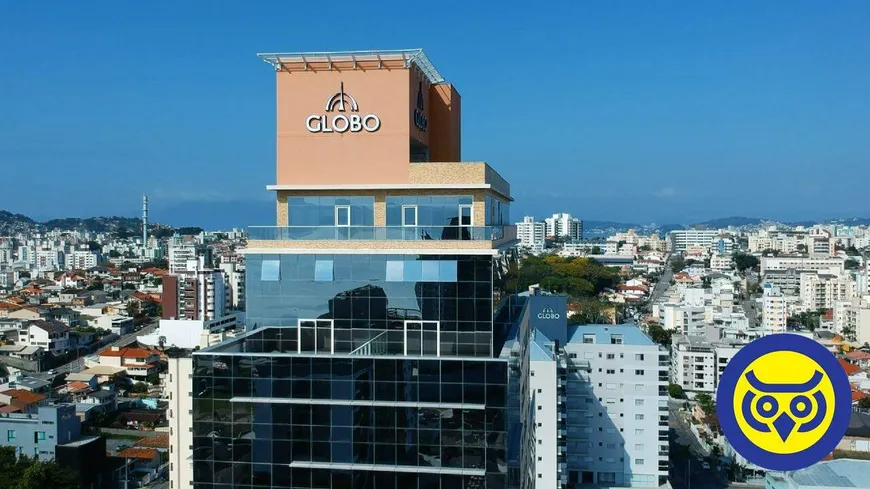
(548, 316)
(355, 123)
(309, 123)
(371, 122)
(338, 128)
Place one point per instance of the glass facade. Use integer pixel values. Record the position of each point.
(376, 298)
(279, 420)
(435, 210)
(331, 211)
(497, 211)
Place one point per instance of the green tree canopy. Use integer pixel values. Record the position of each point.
(744, 261)
(577, 277)
(659, 334)
(675, 391)
(26, 473)
(705, 401)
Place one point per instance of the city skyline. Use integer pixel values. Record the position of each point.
(758, 102)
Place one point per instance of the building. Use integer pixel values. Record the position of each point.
(774, 309)
(697, 364)
(234, 278)
(180, 254)
(564, 226)
(822, 290)
(49, 259)
(51, 335)
(684, 319)
(775, 263)
(196, 293)
(179, 393)
(188, 333)
(370, 304)
(592, 402)
(787, 281)
(41, 433)
(532, 234)
(139, 363)
(721, 262)
(82, 259)
(830, 474)
(682, 239)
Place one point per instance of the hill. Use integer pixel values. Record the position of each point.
(724, 222)
(18, 223)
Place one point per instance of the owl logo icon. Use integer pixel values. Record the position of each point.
(784, 402)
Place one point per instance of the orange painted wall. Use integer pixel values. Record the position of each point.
(445, 123)
(414, 86)
(306, 158)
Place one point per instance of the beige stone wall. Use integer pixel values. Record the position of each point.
(369, 245)
(448, 173)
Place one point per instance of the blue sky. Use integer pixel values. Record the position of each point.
(629, 111)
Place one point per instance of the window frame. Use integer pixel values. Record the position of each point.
(413, 207)
(336, 215)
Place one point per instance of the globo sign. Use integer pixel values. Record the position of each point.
(342, 102)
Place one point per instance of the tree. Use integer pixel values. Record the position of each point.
(864, 403)
(678, 264)
(851, 264)
(139, 388)
(577, 277)
(40, 475)
(802, 248)
(675, 391)
(744, 261)
(659, 334)
(645, 248)
(596, 250)
(705, 402)
(132, 309)
(114, 254)
(153, 379)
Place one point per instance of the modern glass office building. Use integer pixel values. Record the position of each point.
(371, 359)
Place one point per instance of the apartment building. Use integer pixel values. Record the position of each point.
(564, 226)
(822, 290)
(50, 259)
(38, 434)
(852, 319)
(179, 414)
(721, 262)
(697, 363)
(682, 239)
(774, 309)
(788, 281)
(196, 293)
(139, 363)
(776, 263)
(181, 253)
(684, 319)
(234, 278)
(591, 402)
(82, 259)
(532, 234)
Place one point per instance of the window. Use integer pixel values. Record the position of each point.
(39, 436)
(588, 339)
(465, 218)
(342, 215)
(539, 391)
(10, 435)
(638, 432)
(610, 371)
(540, 424)
(639, 446)
(539, 408)
(430, 271)
(572, 355)
(638, 372)
(638, 461)
(638, 402)
(616, 339)
(323, 271)
(539, 476)
(409, 215)
(638, 417)
(395, 271)
(270, 271)
(611, 386)
(638, 357)
(611, 356)
(638, 387)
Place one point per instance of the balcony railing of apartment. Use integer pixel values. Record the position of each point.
(380, 233)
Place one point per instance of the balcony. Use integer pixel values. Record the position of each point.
(381, 233)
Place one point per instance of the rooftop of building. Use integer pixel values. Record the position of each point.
(126, 352)
(631, 334)
(50, 326)
(353, 60)
(833, 473)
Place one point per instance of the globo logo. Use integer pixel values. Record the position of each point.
(548, 313)
(341, 101)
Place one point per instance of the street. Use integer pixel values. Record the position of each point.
(664, 282)
(750, 307)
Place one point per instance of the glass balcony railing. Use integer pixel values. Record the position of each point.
(379, 233)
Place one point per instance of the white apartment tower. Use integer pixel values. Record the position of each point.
(592, 402)
(564, 226)
(180, 253)
(532, 234)
(179, 390)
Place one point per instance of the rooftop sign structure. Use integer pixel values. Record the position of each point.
(353, 60)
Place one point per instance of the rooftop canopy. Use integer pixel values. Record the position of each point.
(354, 60)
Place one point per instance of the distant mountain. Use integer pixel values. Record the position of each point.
(724, 222)
(18, 223)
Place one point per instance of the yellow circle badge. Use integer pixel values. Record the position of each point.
(784, 402)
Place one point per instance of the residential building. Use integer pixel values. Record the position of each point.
(21, 401)
(822, 290)
(82, 259)
(370, 304)
(40, 433)
(51, 335)
(787, 281)
(180, 254)
(532, 234)
(774, 311)
(564, 226)
(592, 402)
(49, 260)
(179, 393)
(721, 262)
(234, 278)
(773, 263)
(693, 364)
(188, 333)
(196, 293)
(683, 238)
(684, 319)
(139, 363)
